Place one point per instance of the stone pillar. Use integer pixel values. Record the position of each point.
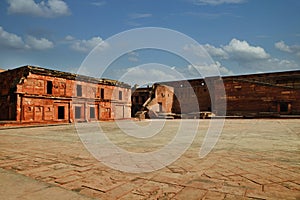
(19, 110)
(85, 111)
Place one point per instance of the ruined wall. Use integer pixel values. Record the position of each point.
(8, 85)
(253, 95)
(190, 96)
(257, 99)
(138, 98)
(163, 99)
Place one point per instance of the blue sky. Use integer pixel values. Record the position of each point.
(241, 36)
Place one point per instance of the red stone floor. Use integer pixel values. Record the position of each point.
(253, 159)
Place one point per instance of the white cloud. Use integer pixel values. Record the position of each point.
(39, 44)
(140, 15)
(150, 73)
(205, 67)
(294, 49)
(241, 51)
(98, 3)
(246, 57)
(207, 15)
(197, 50)
(215, 52)
(11, 40)
(86, 45)
(133, 56)
(217, 2)
(283, 47)
(134, 17)
(69, 38)
(281, 64)
(271, 64)
(49, 8)
(214, 69)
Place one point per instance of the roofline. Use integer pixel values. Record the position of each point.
(262, 73)
(234, 76)
(70, 76)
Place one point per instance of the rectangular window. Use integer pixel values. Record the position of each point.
(79, 90)
(120, 95)
(61, 112)
(77, 112)
(102, 93)
(92, 112)
(49, 87)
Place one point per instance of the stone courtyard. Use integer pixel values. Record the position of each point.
(253, 159)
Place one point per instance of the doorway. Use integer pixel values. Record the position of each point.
(160, 107)
(61, 112)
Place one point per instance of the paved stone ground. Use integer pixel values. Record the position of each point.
(253, 159)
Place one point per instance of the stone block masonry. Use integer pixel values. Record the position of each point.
(36, 95)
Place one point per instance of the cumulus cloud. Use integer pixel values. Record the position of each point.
(13, 41)
(197, 50)
(283, 47)
(150, 73)
(270, 64)
(205, 65)
(237, 50)
(214, 69)
(49, 8)
(85, 45)
(39, 44)
(217, 2)
(215, 52)
(276, 64)
(294, 49)
(241, 51)
(249, 58)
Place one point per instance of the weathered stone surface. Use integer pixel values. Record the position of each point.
(253, 159)
(255, 95)
(16, 186)
(190, 193)
(36, 95)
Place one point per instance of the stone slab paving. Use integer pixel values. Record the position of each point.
(253, 159)
(16, 186)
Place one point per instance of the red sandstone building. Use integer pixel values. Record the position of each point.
(34, 94)
(256, 95)
(155, 101)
